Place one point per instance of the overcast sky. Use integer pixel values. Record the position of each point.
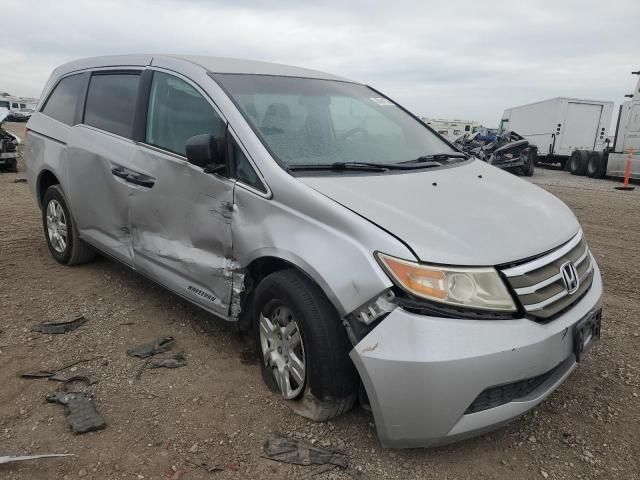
(450, 58)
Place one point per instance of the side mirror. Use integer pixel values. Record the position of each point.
(205, 151)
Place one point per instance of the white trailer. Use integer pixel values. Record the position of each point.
(561, 125)
(613, 160)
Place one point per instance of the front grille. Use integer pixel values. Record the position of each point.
(539, 283)
(495, 396)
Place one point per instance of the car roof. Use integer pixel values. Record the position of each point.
(210, 64)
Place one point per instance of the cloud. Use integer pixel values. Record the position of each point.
(462, 59)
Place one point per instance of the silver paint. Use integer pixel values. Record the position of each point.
(199, 234)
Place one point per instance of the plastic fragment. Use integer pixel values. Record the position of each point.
(79, 410)
(22, 458)
(60, 327)
(160, 345)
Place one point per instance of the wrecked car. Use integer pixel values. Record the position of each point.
(370, 258)
(506, 150)
(8, 146)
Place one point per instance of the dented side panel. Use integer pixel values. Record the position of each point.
(181, 229)
(98, 199)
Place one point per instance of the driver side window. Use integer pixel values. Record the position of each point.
(177, 111)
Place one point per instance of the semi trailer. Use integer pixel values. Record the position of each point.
(612, 160)
(559, 126)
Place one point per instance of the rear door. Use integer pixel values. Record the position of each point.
(98, 149)
(580, 128)
(181, 228)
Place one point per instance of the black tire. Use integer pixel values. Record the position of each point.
(578, 162)
(76, 251)
(13, 166)
(596, 165)
(529, 166)
(331, 380)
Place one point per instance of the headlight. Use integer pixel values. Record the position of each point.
(480, 288)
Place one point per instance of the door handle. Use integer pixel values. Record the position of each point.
(133, 177)
(120, 172)
(141, 180)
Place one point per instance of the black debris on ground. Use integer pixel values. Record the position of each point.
(146, 350)
(60, 327)
(80, 411)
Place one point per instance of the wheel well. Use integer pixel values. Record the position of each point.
(45, 180)
(256, 271)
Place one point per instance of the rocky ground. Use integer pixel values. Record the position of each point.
(216, 409)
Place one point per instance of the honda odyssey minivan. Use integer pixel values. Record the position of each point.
(370, 258)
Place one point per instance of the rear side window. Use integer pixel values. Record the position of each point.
(111, 102)
(61, 104)
(177, 112)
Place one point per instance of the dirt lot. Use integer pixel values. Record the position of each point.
(217, 408)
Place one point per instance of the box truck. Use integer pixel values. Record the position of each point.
(612, 161)
(561, 125)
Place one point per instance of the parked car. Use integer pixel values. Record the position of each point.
(8, 146)
(356, 244)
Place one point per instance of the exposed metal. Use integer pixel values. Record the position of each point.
(373, 310)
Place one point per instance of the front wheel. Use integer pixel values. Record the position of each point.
(303, 348)
(60, 231)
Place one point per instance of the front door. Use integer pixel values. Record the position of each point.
(181, 228)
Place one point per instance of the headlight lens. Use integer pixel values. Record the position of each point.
(480, 288)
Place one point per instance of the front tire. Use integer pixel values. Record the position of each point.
(597, 165)
(302, 346)
(60, 231)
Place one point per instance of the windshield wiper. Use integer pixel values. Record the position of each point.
(363, 166)
(437, 157)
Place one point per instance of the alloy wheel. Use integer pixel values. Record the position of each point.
(57, 226)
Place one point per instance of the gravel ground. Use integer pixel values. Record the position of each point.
(216, 409)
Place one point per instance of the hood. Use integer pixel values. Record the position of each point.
(470, 215)
(3, 114)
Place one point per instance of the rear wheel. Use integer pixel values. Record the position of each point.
(302, 346)
(596, 165)
(60, 231)
(578, 162)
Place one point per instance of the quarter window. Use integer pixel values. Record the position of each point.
(61, 104)
(177, 112)
(111, 102)
(244, 171)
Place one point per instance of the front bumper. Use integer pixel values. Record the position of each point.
(422, 373)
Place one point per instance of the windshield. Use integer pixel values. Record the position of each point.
(305, 121)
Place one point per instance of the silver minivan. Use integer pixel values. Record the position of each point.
(371, 259)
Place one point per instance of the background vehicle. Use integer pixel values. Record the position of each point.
(8, 146)
(612, 160)
(559, 126)
(507, 150)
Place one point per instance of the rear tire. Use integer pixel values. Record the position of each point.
(330, 382)
(60, 230)
(578, 162)
(596, 165)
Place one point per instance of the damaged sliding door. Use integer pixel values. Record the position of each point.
(181, 228)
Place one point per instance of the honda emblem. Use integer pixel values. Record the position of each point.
(570, 277)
